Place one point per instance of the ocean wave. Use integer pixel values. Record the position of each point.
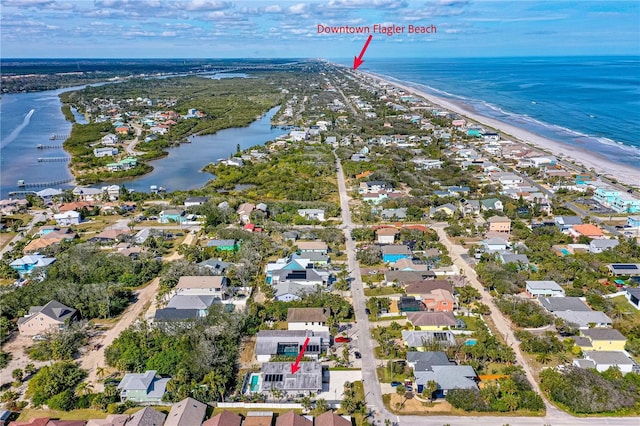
(554, 131)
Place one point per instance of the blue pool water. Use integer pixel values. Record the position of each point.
(470, 342)
(254, 383)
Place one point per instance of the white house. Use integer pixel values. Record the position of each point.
(544, 289)
(603, 360)
(308, 319)
(105, 152)
(67, 218)
(312, 214)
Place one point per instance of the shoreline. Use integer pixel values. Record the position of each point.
(588, 159)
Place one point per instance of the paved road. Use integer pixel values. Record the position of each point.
(373, 393)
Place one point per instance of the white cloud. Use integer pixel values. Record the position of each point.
(298, 9)
(206, 5)
(273, 8)
(168, 34)
(367, 4)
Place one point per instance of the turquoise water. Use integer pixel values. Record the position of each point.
(254, 383)
(565, 252)
(470, 342)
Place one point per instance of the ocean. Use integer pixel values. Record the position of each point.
(588, 103)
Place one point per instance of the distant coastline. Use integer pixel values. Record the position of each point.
(587, 159)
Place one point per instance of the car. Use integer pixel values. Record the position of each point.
(342, 339)
(358, 355)
(179, 234)
(394, 384)
(367, 311)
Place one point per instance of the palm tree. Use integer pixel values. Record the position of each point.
(429, 389)
(101, 372)
(402, 391)
(543, 357)
(83, 388)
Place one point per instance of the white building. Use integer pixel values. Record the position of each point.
(67, 218)
(544, 289)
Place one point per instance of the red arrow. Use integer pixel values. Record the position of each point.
(295, 367)
(357, 61)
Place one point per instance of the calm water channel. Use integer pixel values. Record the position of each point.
(29, 119)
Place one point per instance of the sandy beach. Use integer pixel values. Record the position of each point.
(590, 160)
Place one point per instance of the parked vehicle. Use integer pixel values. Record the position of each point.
(358, 355)
(394, 384)
(342, 339)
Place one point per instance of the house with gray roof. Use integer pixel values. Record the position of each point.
(41, 319)
(519, 259)
(491, 204)
(447, 377)
(218, 266)
(289, 343)
(187, 412)
(603, 360)
(565, 222)
(631, 269)
(173, 314)
(421, 361)
(277, 375)
(544, 289)
(633, 296)
(598, 246)
(192, 301)
(585, 319)
(394, 214)
(419, 338)
(147, 417)
(288, 291)
(556, 304)
(312, 214)
(143, 388)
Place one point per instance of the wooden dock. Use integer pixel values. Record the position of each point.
(43, 184)
(58, 136)
(53, 159)
(41, 146)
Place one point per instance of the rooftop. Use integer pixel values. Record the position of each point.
(308, 314)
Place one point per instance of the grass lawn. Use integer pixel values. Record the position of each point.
(84, 414)
(359, 396)
(472, 322)
(631, 313)
(382, 291)
(385, 376)
(375, 319)
(5, 237)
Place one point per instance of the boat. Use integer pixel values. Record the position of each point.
(21, 183)
(153, 187)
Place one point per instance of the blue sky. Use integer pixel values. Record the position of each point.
(245, 29)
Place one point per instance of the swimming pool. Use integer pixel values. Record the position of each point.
(470, 342)
(565, 251)
(253, 385)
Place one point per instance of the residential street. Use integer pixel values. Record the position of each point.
(373, 394)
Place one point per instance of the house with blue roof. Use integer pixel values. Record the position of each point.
(142, 388)
(26, 264)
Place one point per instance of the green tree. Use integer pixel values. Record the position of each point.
(429, 389)
(17, 374)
